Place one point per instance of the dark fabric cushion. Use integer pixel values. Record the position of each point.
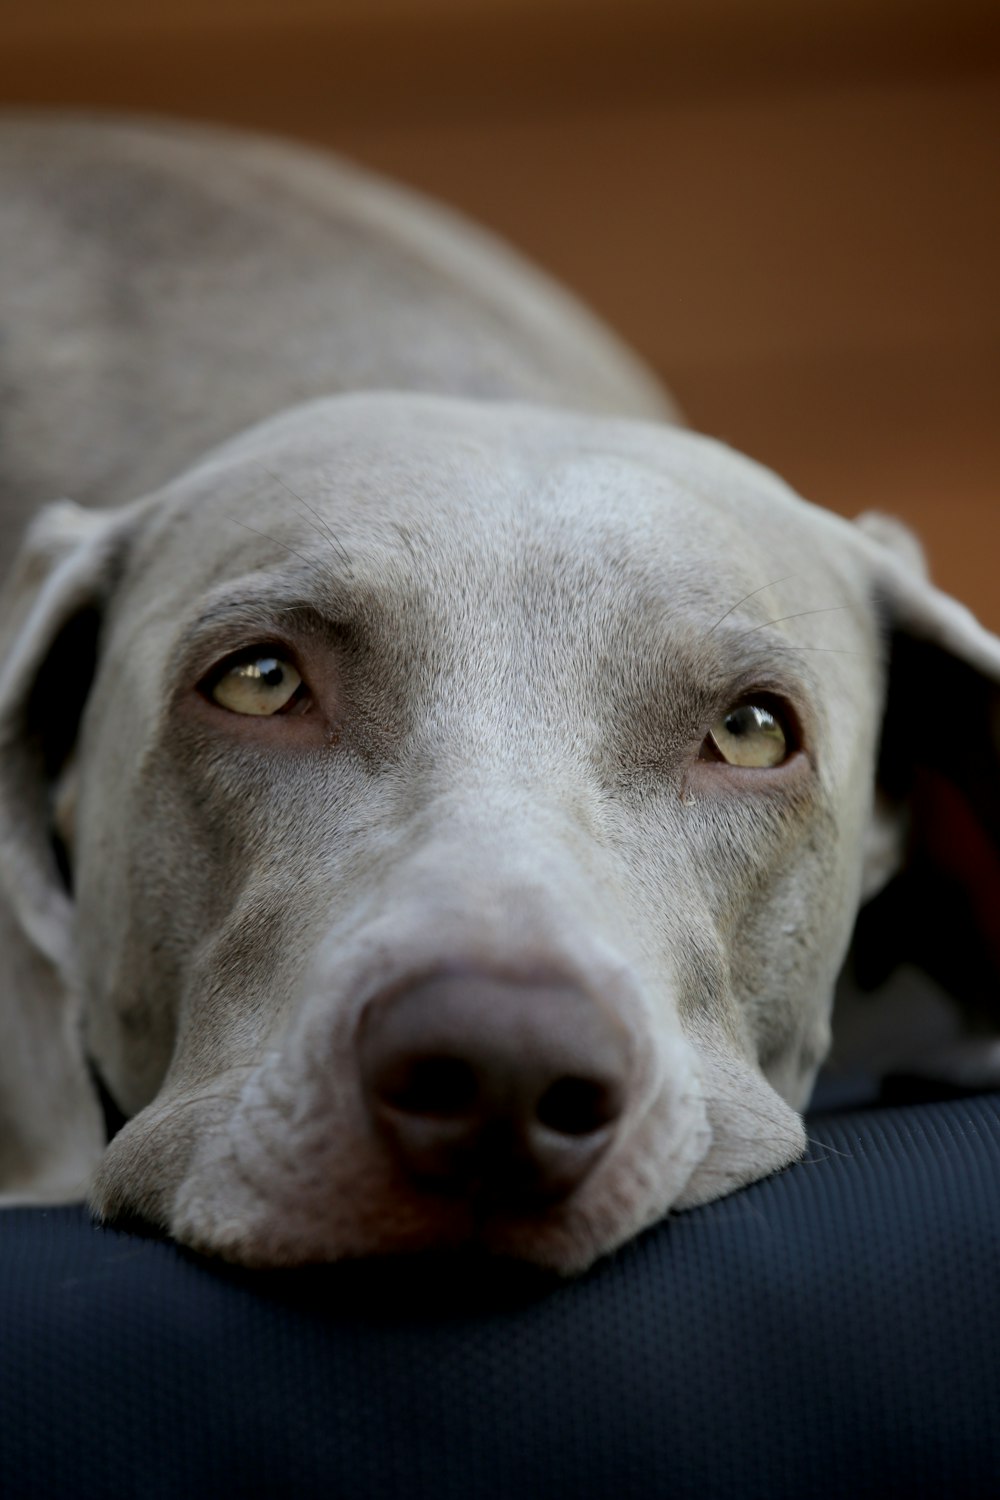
(834, 1331)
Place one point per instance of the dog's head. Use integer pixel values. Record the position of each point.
(441, 823)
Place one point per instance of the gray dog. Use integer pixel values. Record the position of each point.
(439, 815)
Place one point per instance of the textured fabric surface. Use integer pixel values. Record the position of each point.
(834, 1331)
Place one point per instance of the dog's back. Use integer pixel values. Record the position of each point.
(162, 286)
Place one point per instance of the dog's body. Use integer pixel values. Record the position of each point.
(166, 287)
(473, 798)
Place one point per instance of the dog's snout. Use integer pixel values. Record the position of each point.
(505, 1090)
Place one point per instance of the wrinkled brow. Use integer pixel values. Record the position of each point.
(755, 661)
(318, 606)
(319, 602)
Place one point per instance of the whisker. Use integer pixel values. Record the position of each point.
(309, 561)
(828, 1150)
(326, 532)
(827, 650)
(800, 614)
(752, 594)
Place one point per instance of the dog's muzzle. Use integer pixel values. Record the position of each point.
(502, 1091)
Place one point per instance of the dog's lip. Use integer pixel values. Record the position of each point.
(483, 1223)
(408, 1223)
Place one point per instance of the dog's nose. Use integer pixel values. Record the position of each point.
(502, 1090)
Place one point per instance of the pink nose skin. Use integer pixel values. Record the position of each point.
(493, 1089)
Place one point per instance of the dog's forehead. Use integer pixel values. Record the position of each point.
(464, 493)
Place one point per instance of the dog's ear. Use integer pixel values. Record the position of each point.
(51, 1126)
(933, 870)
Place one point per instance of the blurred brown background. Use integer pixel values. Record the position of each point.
(791, 207)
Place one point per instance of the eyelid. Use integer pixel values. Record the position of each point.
(207, 678)
(771, 703)
(784, 701)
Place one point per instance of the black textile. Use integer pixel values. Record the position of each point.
(833, 1331)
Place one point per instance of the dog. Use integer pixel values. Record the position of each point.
(439, 792)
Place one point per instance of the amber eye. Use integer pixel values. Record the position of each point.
(261, 685)
(751, 734)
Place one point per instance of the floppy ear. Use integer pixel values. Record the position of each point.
(51, 1126)
(936, 849)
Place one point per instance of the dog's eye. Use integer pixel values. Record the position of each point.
(751, 734)
(258, 685)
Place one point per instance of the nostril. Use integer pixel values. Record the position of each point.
(443, 1086)
(505, 1091)
(578, 1106)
